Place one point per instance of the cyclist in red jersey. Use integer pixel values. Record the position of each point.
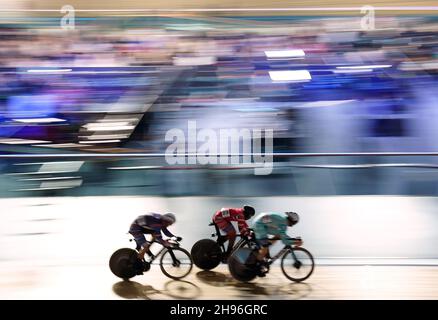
(223, 219)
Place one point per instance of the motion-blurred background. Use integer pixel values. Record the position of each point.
(125, 75)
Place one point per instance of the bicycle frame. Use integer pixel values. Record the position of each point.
(163, 249)
(282, 252)
(259, 268)
(220, 237)
(239, 245)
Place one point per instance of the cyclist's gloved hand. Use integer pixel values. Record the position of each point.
(298, 242)
(178, 238)
(166, 243)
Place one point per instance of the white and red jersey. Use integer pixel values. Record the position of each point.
(232, 214)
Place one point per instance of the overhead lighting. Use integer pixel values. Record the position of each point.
(105, 136)
(53, 167)
(61, 184)
(352, 70)
(113, 119)
(21, 141)
(100, 141)
(55, 185)
(297, 53)
(290, 75)
(379, 66)
(48, 70)
(134, 168)
(61, 166)
(48, 179)
(39, 120)
(108, 126)
(62, 145)
(193, 61)
(323, 103)
(42, 189)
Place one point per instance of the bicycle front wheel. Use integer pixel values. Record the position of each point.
(176, 263)
(297, 264)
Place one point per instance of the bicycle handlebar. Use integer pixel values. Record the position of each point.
(172, 240)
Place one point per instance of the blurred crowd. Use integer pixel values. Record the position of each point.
(219, 73)
(322, 84)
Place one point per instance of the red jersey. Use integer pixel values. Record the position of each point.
(232, 214)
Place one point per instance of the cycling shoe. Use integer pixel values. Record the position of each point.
(262, 272)
(225, 258)
(139, 272)
(263, 269)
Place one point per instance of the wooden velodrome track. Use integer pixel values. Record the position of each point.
(59, 248)
(327, 282)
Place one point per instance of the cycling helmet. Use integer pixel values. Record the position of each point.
(248, 212)
(169, 218)
(292, 217)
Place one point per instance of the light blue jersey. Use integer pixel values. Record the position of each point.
(271, 223)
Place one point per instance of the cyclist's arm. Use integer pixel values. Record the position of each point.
(157, 234)
(258, 230)
(285, 238)
(167, 232)
(241, 223)
(282, 232)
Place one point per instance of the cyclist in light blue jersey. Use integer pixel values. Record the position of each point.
(274, 224)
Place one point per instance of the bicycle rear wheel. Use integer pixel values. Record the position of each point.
(206, 254)
(176, 263)
(123, 263)
(297, 264)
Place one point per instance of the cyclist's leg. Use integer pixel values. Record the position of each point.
(263, 243)
(144, 249)
(264, 249)
(140, 241)
(259, 259)
(262, 240)
(272, 241)
(144, 246)
(231, 235)
(149, 245)
(221, 239)
(138, 233)
(228, 228)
